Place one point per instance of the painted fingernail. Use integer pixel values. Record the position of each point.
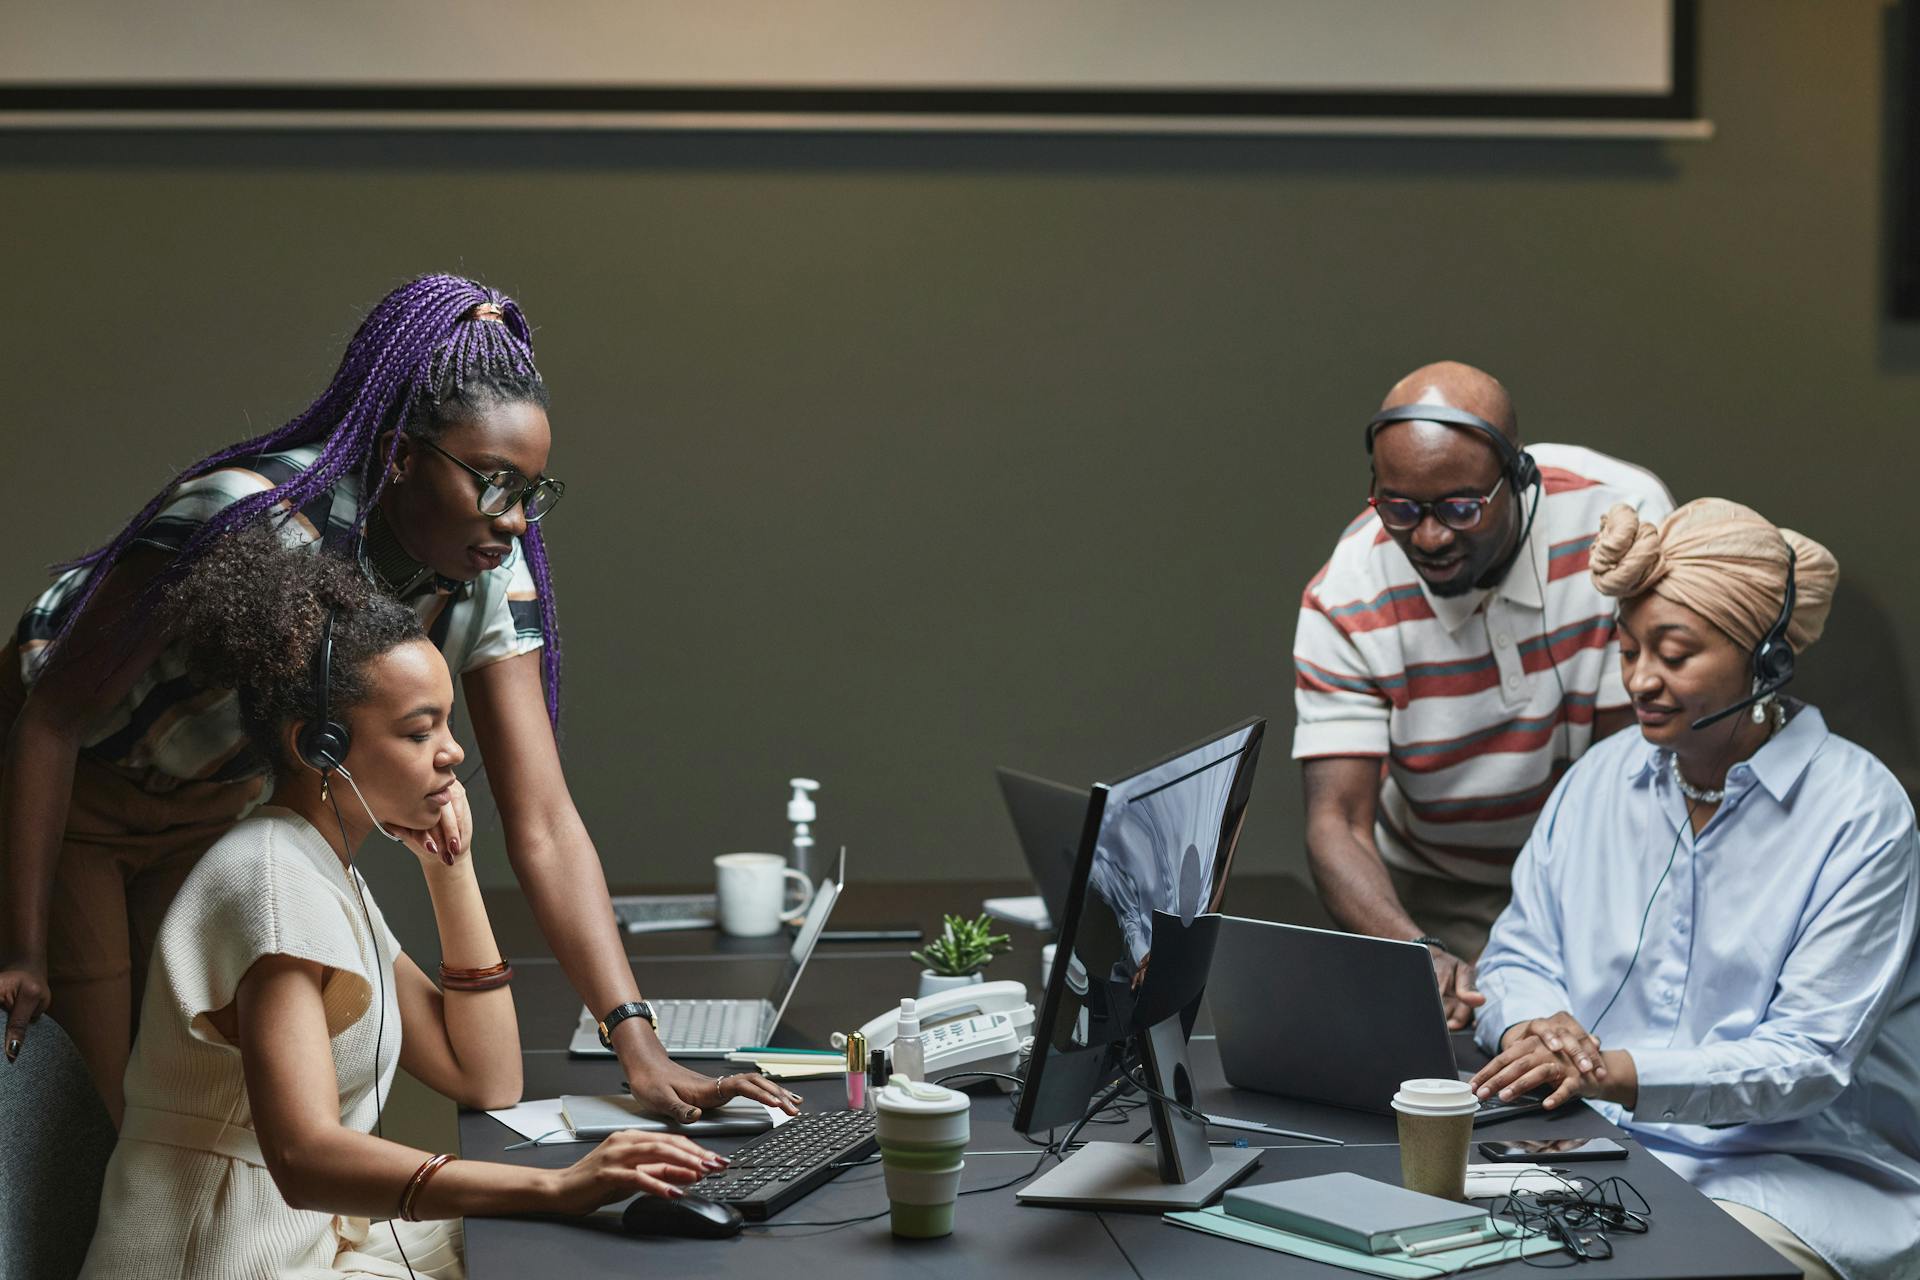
(431, 846)
(453, 843)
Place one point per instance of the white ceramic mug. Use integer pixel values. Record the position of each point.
(750, 887)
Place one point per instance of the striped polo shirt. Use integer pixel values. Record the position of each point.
(1476, 703)
(168, 730)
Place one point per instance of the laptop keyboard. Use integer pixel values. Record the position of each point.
(644, 915)
(708, 1024)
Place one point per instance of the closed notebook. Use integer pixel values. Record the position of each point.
(1357, 1213)
(591, 1116)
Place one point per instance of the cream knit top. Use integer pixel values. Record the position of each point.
(187, 1193)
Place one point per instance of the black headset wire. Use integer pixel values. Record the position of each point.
(1640, 938)
(380, 1027)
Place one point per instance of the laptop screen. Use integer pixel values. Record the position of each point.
(821, 907)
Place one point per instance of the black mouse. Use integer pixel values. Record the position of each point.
(689, 1217)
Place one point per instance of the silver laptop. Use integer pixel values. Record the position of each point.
(1331, 1017)
(715, 1028)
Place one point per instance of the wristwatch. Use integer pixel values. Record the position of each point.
(632, 1009)
(1428, 940)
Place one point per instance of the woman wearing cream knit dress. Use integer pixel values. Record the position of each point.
(279, 1004)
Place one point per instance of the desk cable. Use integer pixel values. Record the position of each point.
(1052, 1149)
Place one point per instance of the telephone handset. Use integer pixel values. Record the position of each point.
(979, 1026)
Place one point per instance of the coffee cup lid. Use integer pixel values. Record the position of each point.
(916, 1097)
(1436, 1098)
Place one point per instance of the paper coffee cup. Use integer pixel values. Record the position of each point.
(923, 1131)
(1435, 1119)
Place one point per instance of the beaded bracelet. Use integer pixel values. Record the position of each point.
(416, 1184)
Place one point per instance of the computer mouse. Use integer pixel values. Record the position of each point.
(688, 1217)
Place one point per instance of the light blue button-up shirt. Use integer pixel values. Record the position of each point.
(1774, 1010)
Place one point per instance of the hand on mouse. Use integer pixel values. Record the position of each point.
(630, 1161)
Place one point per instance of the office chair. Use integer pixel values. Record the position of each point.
(53, 1157)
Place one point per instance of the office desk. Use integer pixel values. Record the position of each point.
(848, 983)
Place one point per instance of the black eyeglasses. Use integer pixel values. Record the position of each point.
(500, 491)
(1455, 513)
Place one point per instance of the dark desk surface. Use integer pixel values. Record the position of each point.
(848, 983)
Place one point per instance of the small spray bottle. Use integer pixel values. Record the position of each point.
(909, 1054)
(801, 813)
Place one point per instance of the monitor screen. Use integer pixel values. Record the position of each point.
(1154, 856)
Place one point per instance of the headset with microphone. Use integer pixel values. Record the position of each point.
(323, 742)
(1521, 472)
(1772, 657)
(1772, 666)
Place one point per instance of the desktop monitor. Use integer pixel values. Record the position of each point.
(1136, 939)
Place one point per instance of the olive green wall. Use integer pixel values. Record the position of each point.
(896, 458)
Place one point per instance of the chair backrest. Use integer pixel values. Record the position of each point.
(54, 1142)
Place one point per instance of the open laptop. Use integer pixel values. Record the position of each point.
(1048, 816)
(715, 1028)
(1331, 1017)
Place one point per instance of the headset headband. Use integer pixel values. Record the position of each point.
(1515, 462)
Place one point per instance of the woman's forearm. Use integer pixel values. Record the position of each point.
(35, 792)
(482, 1030)
(348, 1172)
(559, 871)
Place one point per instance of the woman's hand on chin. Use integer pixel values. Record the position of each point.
(448, 840)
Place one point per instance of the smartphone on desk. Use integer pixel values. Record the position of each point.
(1553, 1150)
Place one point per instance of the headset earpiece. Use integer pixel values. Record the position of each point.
(1773, 656)
(323, 742)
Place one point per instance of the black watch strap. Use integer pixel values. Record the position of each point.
(620, 1013)
(1428, 940)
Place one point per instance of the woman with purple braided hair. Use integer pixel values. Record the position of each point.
(425, 461)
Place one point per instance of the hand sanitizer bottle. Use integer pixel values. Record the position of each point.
(909, 1055)
(801, 812)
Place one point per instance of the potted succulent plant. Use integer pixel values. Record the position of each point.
(957, 956)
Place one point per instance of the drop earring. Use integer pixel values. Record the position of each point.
(1760, 711)
(326, 788)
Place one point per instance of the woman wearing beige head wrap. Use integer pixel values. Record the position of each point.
(1723, 561)
(1733, 907)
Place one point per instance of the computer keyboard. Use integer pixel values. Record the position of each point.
(661, 912)
(780, 1166)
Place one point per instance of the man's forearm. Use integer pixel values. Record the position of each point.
(1354, 884)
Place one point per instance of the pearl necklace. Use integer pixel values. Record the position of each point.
(1699, 795)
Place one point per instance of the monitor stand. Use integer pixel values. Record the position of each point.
(1179, 1171)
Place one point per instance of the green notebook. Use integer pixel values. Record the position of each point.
(1359, 1213)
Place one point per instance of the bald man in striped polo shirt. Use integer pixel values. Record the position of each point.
(1452, 659)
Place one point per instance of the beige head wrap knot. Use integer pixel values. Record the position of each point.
(1725, 562)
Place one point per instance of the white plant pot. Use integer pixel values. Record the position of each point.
(932, 983)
